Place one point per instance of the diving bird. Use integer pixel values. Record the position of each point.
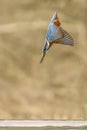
(55, 35)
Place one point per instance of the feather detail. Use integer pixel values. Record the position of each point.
(67, 38)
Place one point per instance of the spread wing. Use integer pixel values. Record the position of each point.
(67, 38)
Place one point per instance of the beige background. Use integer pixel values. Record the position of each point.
(46, 128)
(55, 89)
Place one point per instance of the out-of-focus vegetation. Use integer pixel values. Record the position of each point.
(55, 89)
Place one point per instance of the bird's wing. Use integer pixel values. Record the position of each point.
(54, 33)
(67, 38)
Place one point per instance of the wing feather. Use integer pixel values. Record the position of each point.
(67, 38)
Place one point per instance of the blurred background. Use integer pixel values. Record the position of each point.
(55, 89)
(43, 128)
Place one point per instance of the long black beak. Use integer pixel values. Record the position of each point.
(42, 57)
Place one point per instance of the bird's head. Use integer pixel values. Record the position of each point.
(46, 47)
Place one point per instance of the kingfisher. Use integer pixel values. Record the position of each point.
(55, 35)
